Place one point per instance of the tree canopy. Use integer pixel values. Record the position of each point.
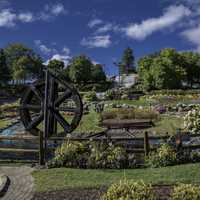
(5, 75)
(127, 63)
(18, 53)
(169, 69)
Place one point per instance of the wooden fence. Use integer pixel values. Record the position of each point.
(145, 144)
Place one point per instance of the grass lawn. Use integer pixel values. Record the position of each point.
(167, 124)
(61, 178)
(4, 123)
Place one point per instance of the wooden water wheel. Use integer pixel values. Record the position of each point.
(54, 99)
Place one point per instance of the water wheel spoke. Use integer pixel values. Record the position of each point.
(61, 120)
(62, 98)
(67, 109)
(31, 106)
(35, 122)
(37, 93)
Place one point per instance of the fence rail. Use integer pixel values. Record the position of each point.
(134, 144)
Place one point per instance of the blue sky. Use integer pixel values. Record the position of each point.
(100, 29)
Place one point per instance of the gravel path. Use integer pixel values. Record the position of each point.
(21, 183)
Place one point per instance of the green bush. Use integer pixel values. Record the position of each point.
(192, 120)
(129, 190)
(185, 192)
(70, 154)
(89, 155)
(165, 155)
(107, 156)
(90, 96)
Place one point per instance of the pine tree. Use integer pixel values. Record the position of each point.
(127, 63)
(4, 71)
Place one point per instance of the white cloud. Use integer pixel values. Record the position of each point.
(26, 17)
(44, 49)
(61, 57)
(103, 41)
(94, 22)
(171, 16)
(10, 17)
(192, 35)
(105, 28)
(7, 18)
(51, 11)
(57, 9)
(66, 50)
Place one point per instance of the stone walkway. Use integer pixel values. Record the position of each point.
(21, 183)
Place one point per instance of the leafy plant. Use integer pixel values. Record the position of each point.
(185, 192)
(129, 190)
(90, 96)
(192, 120)
(165, 155)
(123, 113)
(89, 155)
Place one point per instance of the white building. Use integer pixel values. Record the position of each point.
(126, 80)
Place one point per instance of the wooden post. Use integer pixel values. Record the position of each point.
(41, 151)
(45, 131)
(146, 143)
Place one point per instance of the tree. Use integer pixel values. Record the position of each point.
(80, 69)
(191, 64)
(4, 71)
(161, 70)
(15, 51)
(98, 75)
(56, 65)
(127, 63)
(19, 71)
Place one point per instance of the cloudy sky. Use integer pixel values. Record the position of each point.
(101, 29)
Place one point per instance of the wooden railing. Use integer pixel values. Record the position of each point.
(145, 143)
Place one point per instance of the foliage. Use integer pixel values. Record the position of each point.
(90, 96)
(130, 114)
(175, 92)
(88, 155)
(129, 190)
(164, 70)
(192, 120)
(127, 63)
(69, 154)
(185, 192)
(191, 64)
(107, 156)
(4, 70)
(56, 64)
(98, 75)
(20, 55)
(165, 155)
(82, 71)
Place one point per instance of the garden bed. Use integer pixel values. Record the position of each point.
(162, 192)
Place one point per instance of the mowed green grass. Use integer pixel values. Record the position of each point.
(4, 123)
(168, 124)
(62, 178)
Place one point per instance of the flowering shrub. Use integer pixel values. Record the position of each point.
(90, 96)
(106, 156)
(89, 155)
(129, 190)
(186, 192)
(165, 155)
(192, 120)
